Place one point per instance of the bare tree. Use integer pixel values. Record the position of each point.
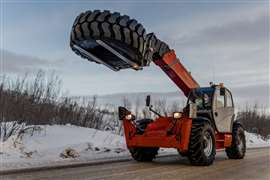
(255, 119)
(126, 102)
(137, 108)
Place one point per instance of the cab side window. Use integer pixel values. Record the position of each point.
(220, 100)
(229, 101)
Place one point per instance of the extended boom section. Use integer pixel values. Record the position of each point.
(171, 65)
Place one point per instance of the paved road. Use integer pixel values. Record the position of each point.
(256, 165)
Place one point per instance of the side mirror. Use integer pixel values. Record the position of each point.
(222, 91)
(148, 100)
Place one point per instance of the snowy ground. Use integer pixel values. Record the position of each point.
(45, 146)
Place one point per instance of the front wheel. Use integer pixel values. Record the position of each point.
(202, 145)
(144, 154)
(238, 147)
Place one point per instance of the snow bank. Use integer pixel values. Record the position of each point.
(44, 147)
(255, 140)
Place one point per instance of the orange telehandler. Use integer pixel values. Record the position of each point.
(204, 125)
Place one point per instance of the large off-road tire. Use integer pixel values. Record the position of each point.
(238, 148)
(123, 34)
(202, 145)
(144, 154)
(155, 48)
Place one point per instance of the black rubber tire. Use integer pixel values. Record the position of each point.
(196, 154)
(144, 154)
(116, 30)
(238, 135)
(155, 48)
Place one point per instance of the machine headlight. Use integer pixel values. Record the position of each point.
(129, 117)
(177, 115)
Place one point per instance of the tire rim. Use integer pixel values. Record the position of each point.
(240, 144)
(207, 144)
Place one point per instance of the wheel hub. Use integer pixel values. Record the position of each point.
(208, 144)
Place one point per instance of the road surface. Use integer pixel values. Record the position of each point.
(255, 166)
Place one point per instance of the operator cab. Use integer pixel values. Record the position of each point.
(214, 103)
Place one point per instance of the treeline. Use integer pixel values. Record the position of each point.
(40, 101)
(255, 119)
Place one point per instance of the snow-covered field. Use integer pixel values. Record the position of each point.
(50, 145)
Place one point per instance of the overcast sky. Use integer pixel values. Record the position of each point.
(224, 41)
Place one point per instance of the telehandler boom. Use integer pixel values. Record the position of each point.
(204, 125)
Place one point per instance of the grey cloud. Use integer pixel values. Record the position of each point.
(256, 94)
(18, 63)
(235, 53)
(236, 32)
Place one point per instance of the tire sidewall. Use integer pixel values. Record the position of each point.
(208, 128)
(234, 152)
(196, 154)
(240, 134)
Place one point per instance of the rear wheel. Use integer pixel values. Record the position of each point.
(238, 148)
(202, 145)
(155, 48)
(144, 154)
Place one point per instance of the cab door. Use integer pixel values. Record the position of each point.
(223, 109)
(229, 108)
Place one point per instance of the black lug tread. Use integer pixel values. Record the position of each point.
(114, 17)
(135, 38)
(85, 29)
(77, 20)
(196, 152)
(234, 152)
(158, 47)
(117, 32)
(94, 27)
(140, 29)
(133, 24)
(102, 16)
(144, 154)
(141, 44)
(127, 35)
(78, 32)
(106, 29)
(84, 17)
(124, 20)
(92, 16)
(112, 26)
(98, 25)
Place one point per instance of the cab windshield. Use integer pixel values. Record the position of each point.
(202, 97)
